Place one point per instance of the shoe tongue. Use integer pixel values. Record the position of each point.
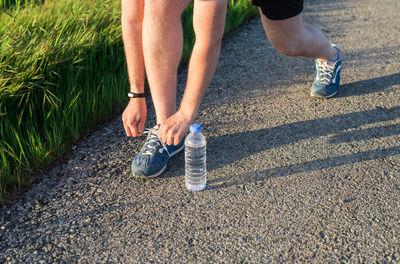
(331, 63)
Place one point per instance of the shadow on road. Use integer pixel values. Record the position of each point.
(369, 86)
(303, 167)
(366, 134)
(227, 149)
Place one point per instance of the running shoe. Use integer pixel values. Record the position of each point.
(327, 77)
(153, 158)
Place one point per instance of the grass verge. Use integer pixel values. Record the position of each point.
(62, 70)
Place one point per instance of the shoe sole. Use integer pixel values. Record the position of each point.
(162, 169)
(321, 96)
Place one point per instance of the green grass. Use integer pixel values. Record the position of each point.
(62, 71)
(7, 4)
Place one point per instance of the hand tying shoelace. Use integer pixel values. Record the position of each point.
(153, 141)
(153, 157)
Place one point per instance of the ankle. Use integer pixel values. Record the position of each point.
(334, 54)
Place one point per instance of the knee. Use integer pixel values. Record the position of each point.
(160, 9)
(155, 7)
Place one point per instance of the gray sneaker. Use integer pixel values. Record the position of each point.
(327, 77)
(153, 158)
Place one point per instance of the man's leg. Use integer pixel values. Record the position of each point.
(162, 49)
(292, 37)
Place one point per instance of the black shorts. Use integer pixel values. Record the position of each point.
(279, 9)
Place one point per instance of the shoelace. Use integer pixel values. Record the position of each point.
(326, 71)
(153, 141)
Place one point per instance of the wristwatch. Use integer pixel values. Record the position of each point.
(136, 95)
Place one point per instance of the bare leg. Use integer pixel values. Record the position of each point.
(293, 38)
(162, 50)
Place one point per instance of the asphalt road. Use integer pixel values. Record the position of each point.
(290, 178)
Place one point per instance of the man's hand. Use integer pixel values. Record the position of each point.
(174, 128)
(134, 117)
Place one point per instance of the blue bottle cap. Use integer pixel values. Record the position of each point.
(195, 128)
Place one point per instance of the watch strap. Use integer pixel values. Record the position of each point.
(136, 95)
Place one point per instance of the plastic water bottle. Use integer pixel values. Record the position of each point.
(195, 159)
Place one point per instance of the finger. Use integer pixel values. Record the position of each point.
(132, 126)
(170, 138)
(160, 134)
(134, 130)
(127, 130)
(163, 134)
(170, 141)
(141, 127)
(177, 139)
(165, 138)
